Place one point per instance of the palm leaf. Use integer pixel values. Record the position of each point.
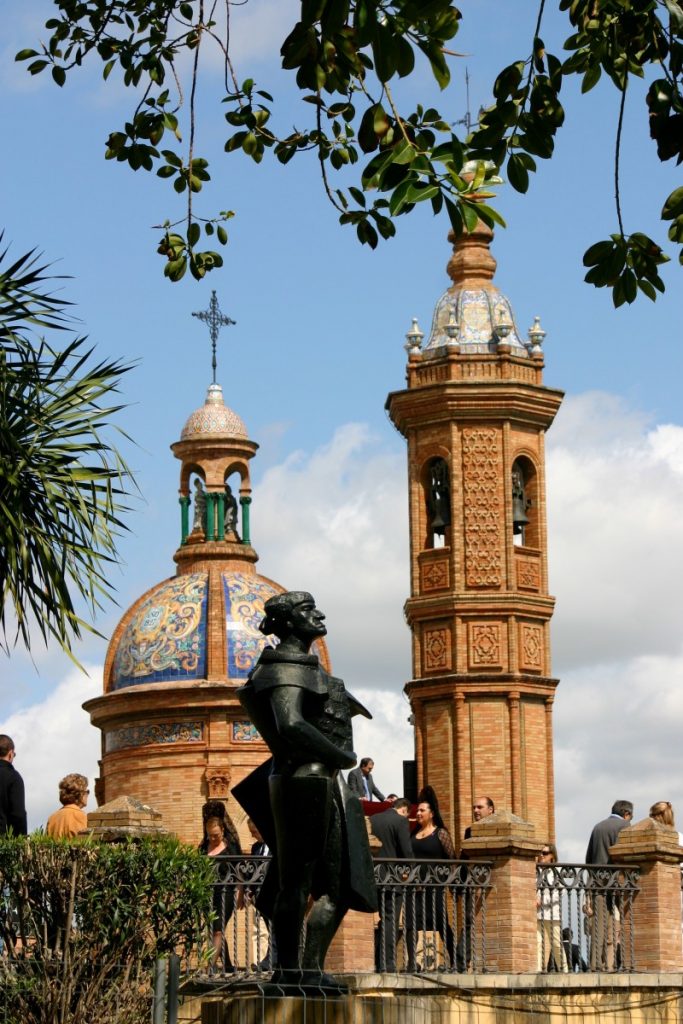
(64, 488)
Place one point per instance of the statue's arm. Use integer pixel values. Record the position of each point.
(300, 735)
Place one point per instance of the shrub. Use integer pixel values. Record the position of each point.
(81, 924)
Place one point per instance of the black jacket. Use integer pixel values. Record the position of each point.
(393, 832)
(12, 805)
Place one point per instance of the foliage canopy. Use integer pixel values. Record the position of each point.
(346, 56)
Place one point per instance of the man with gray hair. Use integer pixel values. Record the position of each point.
(602, 908)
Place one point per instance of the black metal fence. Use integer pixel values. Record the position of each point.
(584, 917)
(432, 917)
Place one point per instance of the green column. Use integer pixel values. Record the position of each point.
(184, 517)
(210, 514)
(220, 516)
(245, 502)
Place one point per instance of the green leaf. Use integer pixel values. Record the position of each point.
(193, 233)
(222, 234)
(597, 253)
(673, 205)
(469, 215)
(591, 78)
(517, 173)
(59, 75)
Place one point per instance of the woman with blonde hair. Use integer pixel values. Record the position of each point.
(663, 812)
(70, 819)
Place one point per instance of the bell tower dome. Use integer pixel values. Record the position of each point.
(474, 414)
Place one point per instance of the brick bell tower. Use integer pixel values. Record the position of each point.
(474, 414)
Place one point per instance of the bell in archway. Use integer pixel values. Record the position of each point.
(519, 516)
(519, 502)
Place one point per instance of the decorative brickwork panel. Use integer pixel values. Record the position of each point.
(528, 572)
(161, 732)
(485, 648)
(245, 732)
(217, 783)
(530, 647)
(482, 481)
(435, 575)
(437, 649)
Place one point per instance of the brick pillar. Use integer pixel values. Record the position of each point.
(353, 947)
(656, 910)
(509, 843)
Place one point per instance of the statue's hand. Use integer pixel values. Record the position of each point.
(347, 759)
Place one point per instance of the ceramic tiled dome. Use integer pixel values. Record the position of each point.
(163, 638)
(479, 312)
(214, 419)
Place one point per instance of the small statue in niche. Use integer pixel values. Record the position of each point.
(199, 516)
(439, 498)
(300, 802)
(230, 516)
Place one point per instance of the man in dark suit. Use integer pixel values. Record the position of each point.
(393, 831)
(603, 912)
(361, 782)
(481, 808)
(12, 806)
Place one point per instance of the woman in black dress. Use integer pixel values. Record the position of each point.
(220, 841)
(427, 906)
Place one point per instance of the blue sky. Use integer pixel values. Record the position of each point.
(317, 346)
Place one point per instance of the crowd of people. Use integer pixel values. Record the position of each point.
(405, 832)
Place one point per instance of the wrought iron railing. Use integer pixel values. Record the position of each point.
(432, 917)
(584, 917)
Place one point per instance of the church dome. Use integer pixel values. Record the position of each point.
(473, 316)
(213, 419)
(163, 637)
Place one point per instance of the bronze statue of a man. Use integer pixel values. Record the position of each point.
(308, 816)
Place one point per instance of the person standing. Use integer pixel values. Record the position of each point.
(12, 799)
(549, 914)
(427, 910)
(71, 818)
(393, 831)
(361, 782)
(482, 807)
(601, 908)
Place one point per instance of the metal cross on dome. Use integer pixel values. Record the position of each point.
(215, 319)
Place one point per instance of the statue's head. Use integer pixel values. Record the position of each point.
(293, 614)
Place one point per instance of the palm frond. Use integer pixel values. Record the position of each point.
(64, 488)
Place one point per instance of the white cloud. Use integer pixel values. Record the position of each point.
(54, 737)
(615, 493)
(335, 522)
